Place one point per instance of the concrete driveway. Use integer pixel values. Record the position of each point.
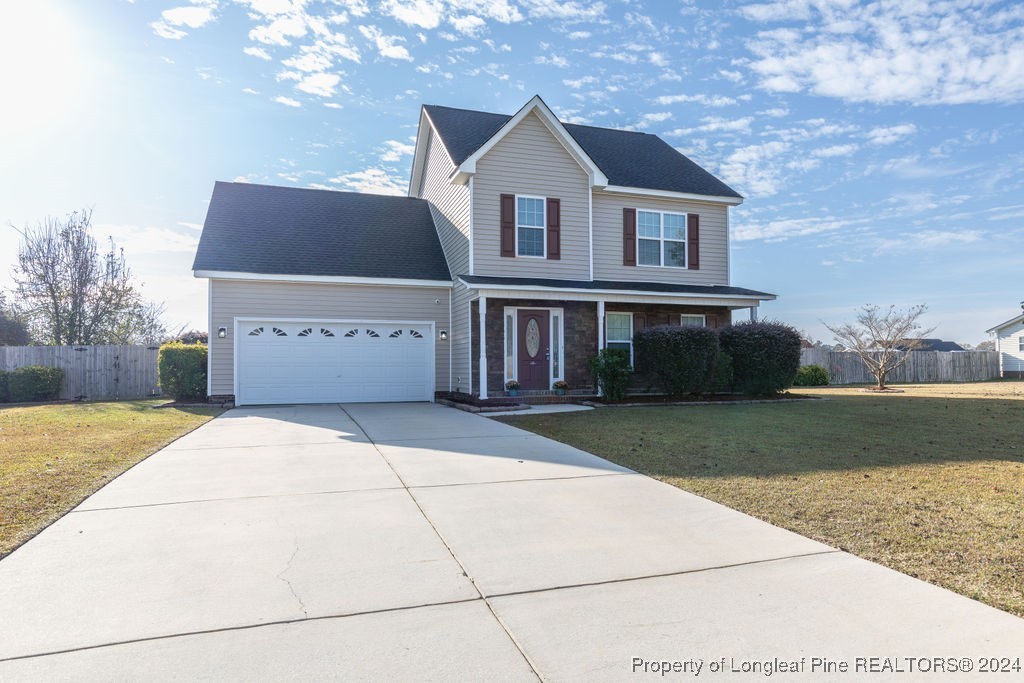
(417, 542)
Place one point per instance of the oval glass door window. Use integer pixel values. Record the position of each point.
(532, 338)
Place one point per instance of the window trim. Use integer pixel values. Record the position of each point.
(703, 319)
(661, 239)
(543, 228)
(1020, 343)
(629, 341)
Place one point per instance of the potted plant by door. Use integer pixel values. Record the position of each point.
(512, 387)
(560, 387)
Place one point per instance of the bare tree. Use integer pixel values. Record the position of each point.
(70, 293)
(882, 340)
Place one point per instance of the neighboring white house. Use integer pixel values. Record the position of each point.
(1010, 345)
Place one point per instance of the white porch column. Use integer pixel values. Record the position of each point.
(600, 331)
(753, 314)
(483, 347)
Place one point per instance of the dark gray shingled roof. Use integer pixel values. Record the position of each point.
(619, 285)
(627, 158)
(294, 231)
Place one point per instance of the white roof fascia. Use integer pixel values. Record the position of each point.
(669, 194)
(419, 159)
(320, 279)
(1011, 321)
(468, 167)
(588, 294)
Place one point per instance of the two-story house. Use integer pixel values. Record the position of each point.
(524, 246)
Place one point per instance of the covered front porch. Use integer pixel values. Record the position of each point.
(539, 334)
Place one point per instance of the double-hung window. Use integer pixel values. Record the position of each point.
(1020, 343)
(661, 239)
(619, 333)
(530, 222)
(690, 320)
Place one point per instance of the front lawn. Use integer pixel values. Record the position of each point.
(53, 456)
(929, 482)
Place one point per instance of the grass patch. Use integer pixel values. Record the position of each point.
(929, 482)
(54, 456)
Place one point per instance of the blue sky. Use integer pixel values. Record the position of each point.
(879, 145)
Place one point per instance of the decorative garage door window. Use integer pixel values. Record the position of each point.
(279, 332)
(257, 332)
(411, 333)
(309, 332)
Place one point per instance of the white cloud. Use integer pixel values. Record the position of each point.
(395, 150)
(280, 30)
(386, 45)
(322, 84)
(717, 124)
(786, 228)
(569, 11)
(250, 91)
(332, 105)
(835, 151)
(426, 14)
(888, 52)
(257, 52)
(136, 239)
(755, 169)
(578, 35)
(287, 101)
(706, 100)
(579, 82)
(890, 134)
(653, 117)
(470, 25)
(927, 239)
(371, 180)
(552, 60)
(171, 20)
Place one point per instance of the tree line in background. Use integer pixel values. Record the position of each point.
(69, 292)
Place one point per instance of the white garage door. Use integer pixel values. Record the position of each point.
(325, 362)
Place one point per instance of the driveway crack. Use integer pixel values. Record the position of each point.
(288, 566)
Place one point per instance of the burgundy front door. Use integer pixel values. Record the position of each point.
(533, 349)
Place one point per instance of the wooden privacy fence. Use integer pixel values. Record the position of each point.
(846, 367)
(92, 373)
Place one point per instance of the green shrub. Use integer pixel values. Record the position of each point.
(34, 383)
(611, 370)
(182, 371)
(5, 394)
(681, 360)
(765, 356)
(811, 376)
(722, 381)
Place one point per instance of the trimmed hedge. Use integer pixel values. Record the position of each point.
(33, 383)
(722, 382)
(765, 356)
(182, 371)
(811, 376)
(5, 394)
(611, 370)
(681, 360)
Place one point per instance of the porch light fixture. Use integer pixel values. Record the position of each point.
(444, 335)
(222, 332)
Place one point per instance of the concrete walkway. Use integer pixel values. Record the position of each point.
(417, 542)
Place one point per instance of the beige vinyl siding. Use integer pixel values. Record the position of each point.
(529, 160)
(449, 207)
(1011, 358)
(714, 241)
(230, 299)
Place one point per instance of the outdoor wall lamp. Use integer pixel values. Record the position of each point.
(444, 335)
(222, 332)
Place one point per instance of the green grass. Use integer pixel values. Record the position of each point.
(53, 456)
(929, 482)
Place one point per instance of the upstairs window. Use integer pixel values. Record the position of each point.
(1020, 343)
(530, 222)
(661, 239)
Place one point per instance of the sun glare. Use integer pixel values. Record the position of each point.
(42, 66)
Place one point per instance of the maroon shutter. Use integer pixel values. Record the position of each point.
(508, 225)
(554, 229)
(693, 241)
(629, 237)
